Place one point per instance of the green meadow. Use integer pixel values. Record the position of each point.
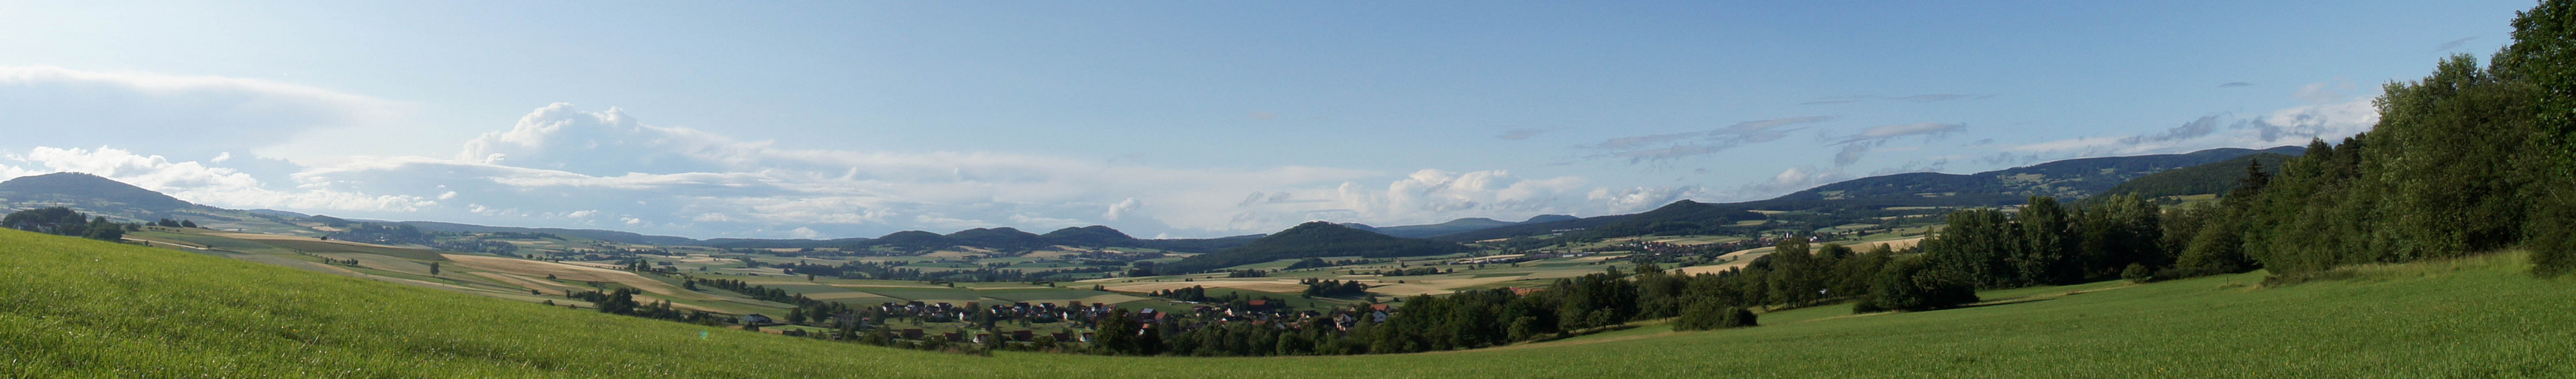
(72, 307)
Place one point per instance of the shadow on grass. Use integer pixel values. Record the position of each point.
(2018, 300)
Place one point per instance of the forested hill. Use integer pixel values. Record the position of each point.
(1009, 239)
(1680, 217)
(2068, 179)
(1453, 226)
(1313, 240)
(2205, 179)
(1858, 200)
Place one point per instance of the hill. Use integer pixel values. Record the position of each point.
(1452, 227)
(1313, 240)
(1095, 235)
(2066, 179)
(1009, 239)
(2205, 179)
(1680, 217)
(127, 203)
(1865, 200)
(603, 235)
(2481, 316)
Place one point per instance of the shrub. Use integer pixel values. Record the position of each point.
(1737, 318)
(2137, 273)
(1711, 316)
(1913, 285)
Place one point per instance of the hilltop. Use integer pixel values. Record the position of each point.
(1314, 240)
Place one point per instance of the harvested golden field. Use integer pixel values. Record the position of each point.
(572, 272)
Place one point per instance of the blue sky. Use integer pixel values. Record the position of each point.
(1160, 118)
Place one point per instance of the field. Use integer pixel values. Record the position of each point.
(513, 278)
(85, 308)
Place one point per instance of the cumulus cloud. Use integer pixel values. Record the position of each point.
(561, 159)
(1122, 209)
(1641, 199)
(565, 166)
(192, 117)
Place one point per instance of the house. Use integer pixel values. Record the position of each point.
(1023, 335)
(912, 334)
(953, 336)
(1086, 337)
(757, 319)
(1061, 336)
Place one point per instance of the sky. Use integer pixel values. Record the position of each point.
(1162, 119)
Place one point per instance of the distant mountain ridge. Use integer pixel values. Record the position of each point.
(1009, 239)
(2073, 178)
(1859, 199)
(1452, 227)
(1837, 202)
(117, 200)
(1679, 216)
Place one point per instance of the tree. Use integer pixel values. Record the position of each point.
(433, 268)
(104, 230)
(1915, 285)
(2544, 54)
(188, 224)
(2041, 257)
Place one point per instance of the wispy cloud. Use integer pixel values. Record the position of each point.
(1520, 134)
(2234, 84)
(1859, 145)
(194, 117)
(2329, 118)
(1679, 145)
(1923, 98)
(2454, 44)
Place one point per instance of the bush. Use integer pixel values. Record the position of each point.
(2137, 273)
(1913, 285)
(2553, 249)
(1738, 318)
(1710, 316)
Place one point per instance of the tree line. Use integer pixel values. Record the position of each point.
(2472, 158)
(66, 222)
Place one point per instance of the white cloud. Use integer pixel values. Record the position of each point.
(1121, 209)
(1640, 199)
(559, 159)
(199, 183)
(195, 117)
(804, 233)
(2293, 126)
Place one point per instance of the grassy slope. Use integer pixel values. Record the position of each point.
(74, 307)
